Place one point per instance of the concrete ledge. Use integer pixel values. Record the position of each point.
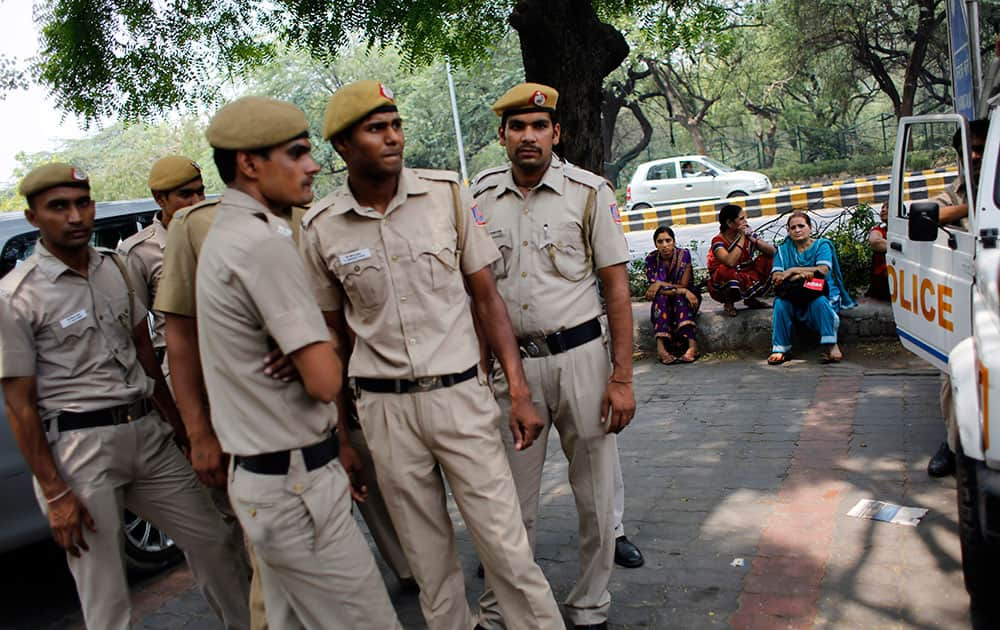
(751, 329)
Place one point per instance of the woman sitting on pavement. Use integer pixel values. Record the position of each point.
(798, 260)
(674, 303)
(739, 263)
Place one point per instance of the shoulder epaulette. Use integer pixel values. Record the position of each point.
(487, 179)
(317, 208)
(437, 175)
(141, 236)
(208, 203)
(10, 282)
(584, 177)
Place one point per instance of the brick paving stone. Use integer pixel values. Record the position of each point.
(731, 459)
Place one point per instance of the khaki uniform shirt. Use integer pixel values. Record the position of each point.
(954, 195)
(188, 229)
(397, 276)
(251, 288)
(544, 277)
(73, 334)
(143, 253)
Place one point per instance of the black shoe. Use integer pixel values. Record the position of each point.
(596, 626)
(626, 555)
(943, 462)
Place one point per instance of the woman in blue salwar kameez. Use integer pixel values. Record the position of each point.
(800, 256)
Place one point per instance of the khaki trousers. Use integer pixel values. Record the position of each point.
(136, 466)
(566, 390)
(414, 439)
(315, 567)
(619, 501)
(376, 514)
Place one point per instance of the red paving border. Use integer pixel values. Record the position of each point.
(783, 586)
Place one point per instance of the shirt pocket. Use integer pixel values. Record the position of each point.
(504, 241)
(563, 246)
(115, 320)
(437, 260)
(71, 342)
(365, 281)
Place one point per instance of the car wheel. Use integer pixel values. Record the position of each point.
(641, 206)
(979, 558)
(147, 549)
(736, 193)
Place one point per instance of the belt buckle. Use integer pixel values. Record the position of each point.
(426, 383)
(531, 348)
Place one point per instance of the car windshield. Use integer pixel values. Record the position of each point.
(719, 166)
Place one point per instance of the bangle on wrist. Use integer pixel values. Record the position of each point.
(51, 500)
(620, 381)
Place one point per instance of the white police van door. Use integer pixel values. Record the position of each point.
(930, 281)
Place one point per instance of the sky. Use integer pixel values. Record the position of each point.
(29, 120)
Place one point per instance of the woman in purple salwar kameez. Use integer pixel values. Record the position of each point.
(674, 302)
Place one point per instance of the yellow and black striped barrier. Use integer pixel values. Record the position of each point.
(836, 194)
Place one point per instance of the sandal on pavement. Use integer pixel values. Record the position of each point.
(688, 359)
(776, 358)
(669, 361)
(729, 310)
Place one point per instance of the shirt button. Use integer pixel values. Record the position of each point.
(525, 243)
(402, 299)
(524, 274)
(253, 512)
(395, 258)
(297, 488)
(525, 211)
(357, 267)
(524, 307)
(413, 342)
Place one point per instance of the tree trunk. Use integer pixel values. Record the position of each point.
(564, 45)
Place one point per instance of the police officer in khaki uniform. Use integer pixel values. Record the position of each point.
(286, 484)
(558, 229)
(77, 369)
(176, 183)
(175, 298)
(390, 254)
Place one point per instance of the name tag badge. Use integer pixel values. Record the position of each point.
(355, 256)
(74, 318)
(283, 230)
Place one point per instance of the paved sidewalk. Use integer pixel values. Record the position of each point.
(736, 459)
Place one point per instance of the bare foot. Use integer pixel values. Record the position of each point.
(690, 356)
(834, 355)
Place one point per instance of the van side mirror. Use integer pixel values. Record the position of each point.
(923, 221)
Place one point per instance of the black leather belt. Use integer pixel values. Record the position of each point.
(276, 463)
(560, 341)
(74, 420)
(403, 386)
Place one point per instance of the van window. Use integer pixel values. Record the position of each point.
(928, 146)
(667, 170)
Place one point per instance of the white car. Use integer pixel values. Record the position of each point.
(689, 179)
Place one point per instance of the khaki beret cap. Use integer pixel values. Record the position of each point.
(533, 97)
(353, 102)
(172, 172)
(50, 176)
(255, 122)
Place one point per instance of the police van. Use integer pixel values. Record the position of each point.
(944, 281)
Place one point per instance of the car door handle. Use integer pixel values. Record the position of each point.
(688, 186)
(896, 246)
(652, 187)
